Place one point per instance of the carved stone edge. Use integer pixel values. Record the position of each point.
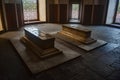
(38, 51)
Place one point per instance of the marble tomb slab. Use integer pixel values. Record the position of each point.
(40, 43)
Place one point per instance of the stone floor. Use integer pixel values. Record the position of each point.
(100, 64)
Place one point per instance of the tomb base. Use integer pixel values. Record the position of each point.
(88, 47)
(42, 53)
(79, 36)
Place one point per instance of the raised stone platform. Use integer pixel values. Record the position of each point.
(37, 65)
(42, 53)
(80, 37)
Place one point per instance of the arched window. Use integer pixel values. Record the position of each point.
(30, 8)
(75, 11)
(117, 15)
(34, 10)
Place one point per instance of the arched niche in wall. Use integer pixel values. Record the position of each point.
(75, 8)
(12, 14)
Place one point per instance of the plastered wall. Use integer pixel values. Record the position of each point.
(1, 27)
(42, 10)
